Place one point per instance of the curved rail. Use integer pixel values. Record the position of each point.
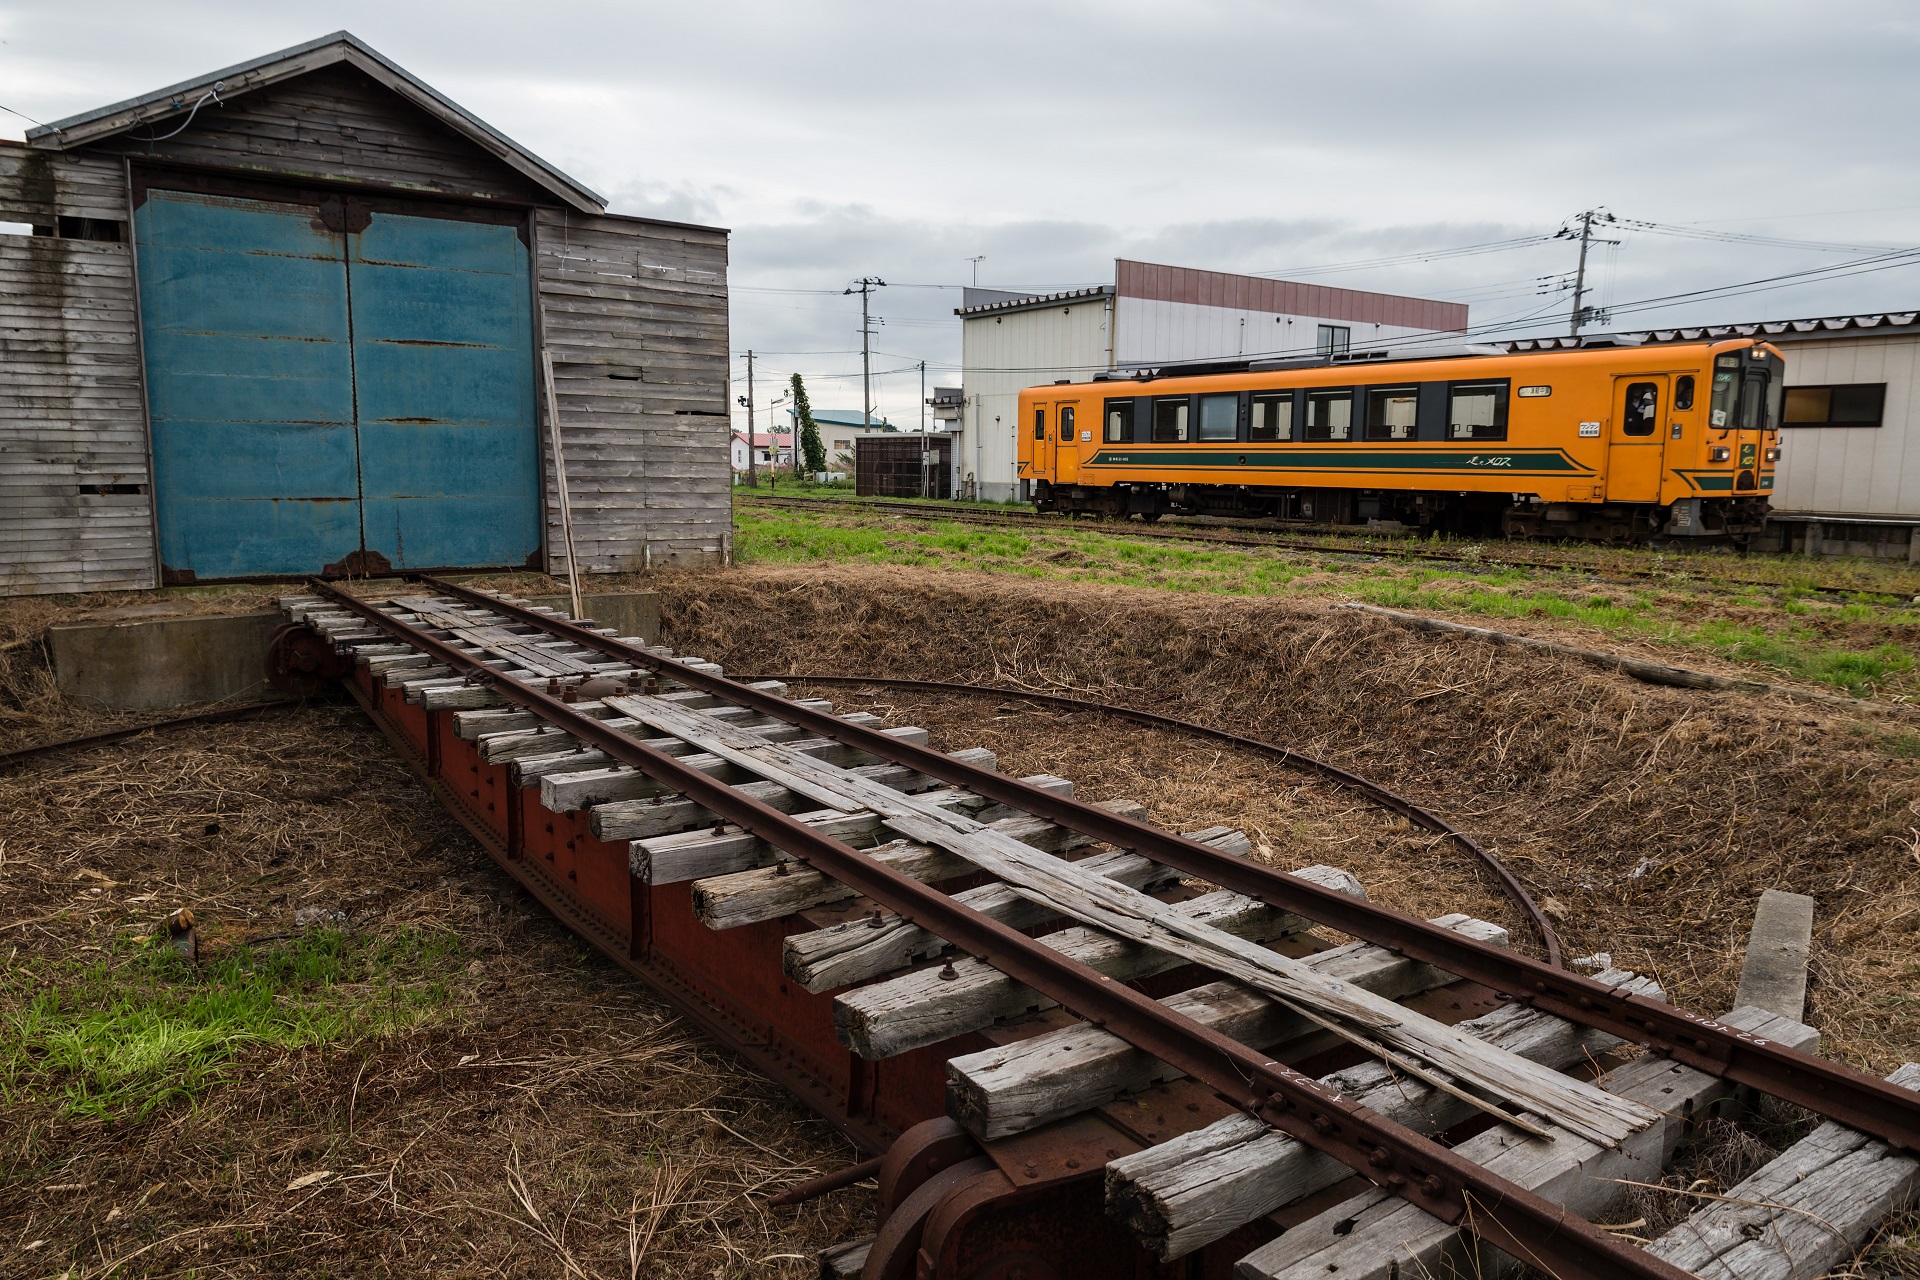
(1205, 533)
(1859, 1101)
(14, 757)
(1510, 886)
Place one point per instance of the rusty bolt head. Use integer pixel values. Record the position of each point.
(1321, 1125)
(1431, 1185)
(553, 686)
(570, 694)
(948, 972)
(1380, 1157)
(874, 921)
(780, 868)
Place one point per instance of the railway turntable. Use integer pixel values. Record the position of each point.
(1077, 1044)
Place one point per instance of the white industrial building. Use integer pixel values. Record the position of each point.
(1848, 481)
(1151, 315)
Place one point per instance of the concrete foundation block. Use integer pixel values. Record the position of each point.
(151, 664)
(630, 613)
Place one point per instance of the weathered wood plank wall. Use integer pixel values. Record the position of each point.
(75, 507)
(335, 124)
(635, 314)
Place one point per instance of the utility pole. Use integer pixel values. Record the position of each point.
(867, 285)
(1585, 236)
(753, 478)
(926, 457)
(976, 261)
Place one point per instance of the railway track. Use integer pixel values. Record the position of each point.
(1048, 1015)
(1247, 535)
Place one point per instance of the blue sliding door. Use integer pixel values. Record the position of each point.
(330, 397)
(243, 311)
(442, 342)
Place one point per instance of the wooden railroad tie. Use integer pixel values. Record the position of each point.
(1553, 1106)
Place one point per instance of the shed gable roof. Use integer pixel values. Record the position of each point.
(302, 59)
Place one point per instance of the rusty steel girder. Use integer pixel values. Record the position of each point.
(1837, 1092)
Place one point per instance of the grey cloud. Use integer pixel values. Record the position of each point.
(847, 138)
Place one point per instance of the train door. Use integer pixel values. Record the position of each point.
(1759, 411)
(1635, 447)
(1037, 447)
(1066, 449)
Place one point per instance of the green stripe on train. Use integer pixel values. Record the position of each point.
(1707, 482)
(1357, 459)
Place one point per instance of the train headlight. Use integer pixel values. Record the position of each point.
(1719, 453)
(1773, 455)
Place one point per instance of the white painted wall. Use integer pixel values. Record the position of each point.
(1861, 471)
(1152, 331)
(1002, 356)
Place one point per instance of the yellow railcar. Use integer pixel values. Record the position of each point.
(1623, 443)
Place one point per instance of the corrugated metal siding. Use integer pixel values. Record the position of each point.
(1156, 332)
(635, 314)
(1160, 283)
(1864, 471)
(70, 395)
(1003, 355)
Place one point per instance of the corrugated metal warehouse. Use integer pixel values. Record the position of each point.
(289, 318)
(1150, 315)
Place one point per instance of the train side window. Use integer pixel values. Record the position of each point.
(1220, 417)
(1066, 422)
(1477, 411)
(1272, 416)
(1170, 420)
(1391, 412)
(1119, 422)
(1642, 409)
(1330, 414)
(1683, 391)
(1039, 424)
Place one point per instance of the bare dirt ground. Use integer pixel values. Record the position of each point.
(543, 1115)
(539, 1113)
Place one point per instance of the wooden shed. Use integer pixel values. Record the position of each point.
(905, 464)
(289, 318)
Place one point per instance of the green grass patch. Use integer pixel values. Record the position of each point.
(120, 1037)
(1792, 631)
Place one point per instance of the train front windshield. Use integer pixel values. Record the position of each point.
(1748, 388)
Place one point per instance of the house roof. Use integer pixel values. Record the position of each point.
(274, 68)
(761, 437)
(1027, 302)
(1783, 330)
(848, 418)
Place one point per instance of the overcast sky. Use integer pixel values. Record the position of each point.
(899, 140)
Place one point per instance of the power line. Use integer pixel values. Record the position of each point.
(1425, 255)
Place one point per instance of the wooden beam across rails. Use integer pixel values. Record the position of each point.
(1839, 1093)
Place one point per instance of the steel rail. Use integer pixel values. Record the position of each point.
(1859, 1101)
(10, 758)
(1510, 886)
(1279, 541)
(1451, 1188)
